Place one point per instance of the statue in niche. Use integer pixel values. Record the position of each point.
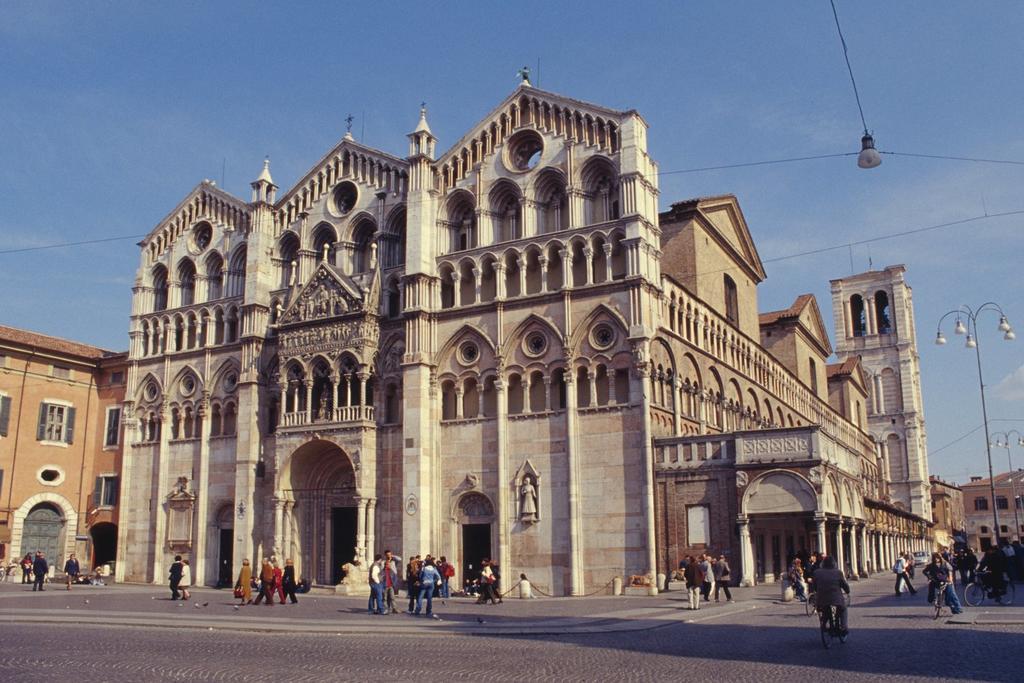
(324, 409)
(528, 500)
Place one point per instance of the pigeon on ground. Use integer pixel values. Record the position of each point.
(479, 620)
(236, 608)
(87, 601)
(206, 604)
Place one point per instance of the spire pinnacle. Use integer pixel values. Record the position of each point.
(265, 173)
(423, 126)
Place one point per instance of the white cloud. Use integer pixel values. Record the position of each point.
(1011, 387)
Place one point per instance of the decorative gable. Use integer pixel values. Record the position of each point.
(327, 294)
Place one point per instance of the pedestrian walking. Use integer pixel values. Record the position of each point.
(278, 581)
(901, 570)
(375, 605)
(429, 579)
(174, 576)
(486, 584)
(266, 584)
(71, 571)
(39, 569)
(243, 587)
(186, 580)
(694, 581)
(723, 575)
(288, 584)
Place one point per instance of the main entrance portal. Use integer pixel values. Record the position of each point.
(319, 531)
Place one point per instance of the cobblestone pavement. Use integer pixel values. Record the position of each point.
(891, 639)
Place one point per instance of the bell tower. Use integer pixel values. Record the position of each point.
(874, 319)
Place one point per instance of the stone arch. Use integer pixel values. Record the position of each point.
(464, 333)
(511, 343)
(833, 499)
(505, 203)
(66, 509)
(582, 331)
(473, 505)
(176, 383)
(779, 491)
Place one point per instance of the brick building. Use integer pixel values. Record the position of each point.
(977, 495)
(60, 447)
(947, 513)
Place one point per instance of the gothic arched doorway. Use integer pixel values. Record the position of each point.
(320, 482)
(475, 515)
(226, 545)
(43, 530)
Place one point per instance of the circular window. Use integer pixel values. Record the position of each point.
(535, 344)
(50, 475)
(188, 386)
(602, 336)
(468, 353)
(523, 151)
(151, 391)
(230, 381)
(202, 235)
(344, 197)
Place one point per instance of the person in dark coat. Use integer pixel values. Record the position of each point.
(994, 564)
(71, 571)
(831, 584)
(174, 576)
(288, 582)
(40, 567)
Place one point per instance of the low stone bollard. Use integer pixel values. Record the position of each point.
(787, 592)
(617, 585)
(525, 590)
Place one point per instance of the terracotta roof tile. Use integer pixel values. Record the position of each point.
(15, 335)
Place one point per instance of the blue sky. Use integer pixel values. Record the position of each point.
(112, 112)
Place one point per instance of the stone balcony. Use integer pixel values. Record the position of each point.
(340, 416)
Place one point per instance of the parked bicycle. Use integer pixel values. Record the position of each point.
(981, 588)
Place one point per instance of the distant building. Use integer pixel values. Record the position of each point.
(60, 447)
(978, 509)
(947, 513)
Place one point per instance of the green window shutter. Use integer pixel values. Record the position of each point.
(69, 433)
(41, 430)
(5, 414)
(113, 427)
(97, 492)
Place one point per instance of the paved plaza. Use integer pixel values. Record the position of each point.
(134, 633)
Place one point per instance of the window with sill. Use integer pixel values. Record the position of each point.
(56, 423)
(105, 491)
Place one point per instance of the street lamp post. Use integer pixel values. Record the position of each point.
(971, 329)
(1005, 443)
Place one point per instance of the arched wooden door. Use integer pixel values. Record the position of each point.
(44, 527)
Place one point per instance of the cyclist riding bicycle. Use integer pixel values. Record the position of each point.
(940, 578)
(830, 585)
(994, 566)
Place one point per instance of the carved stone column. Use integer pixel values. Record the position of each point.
(456, 288)
(746, 552)
(819, 521)
(588, 254)
(278, 544)
(371, 508)
(521, 262)
(360, 549)
(607, 262)
(543, 261)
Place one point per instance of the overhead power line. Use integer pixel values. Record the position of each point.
(60, 245)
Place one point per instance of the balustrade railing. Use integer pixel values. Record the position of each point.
(337, 415)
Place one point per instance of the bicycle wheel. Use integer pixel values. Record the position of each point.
(974, 594)
(938, 603)
(826, 637)
(809, 605)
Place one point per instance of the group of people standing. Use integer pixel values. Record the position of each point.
(704, 574)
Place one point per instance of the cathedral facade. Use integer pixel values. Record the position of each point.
(500, 351)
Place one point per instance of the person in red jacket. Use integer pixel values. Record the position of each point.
(278, 582)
